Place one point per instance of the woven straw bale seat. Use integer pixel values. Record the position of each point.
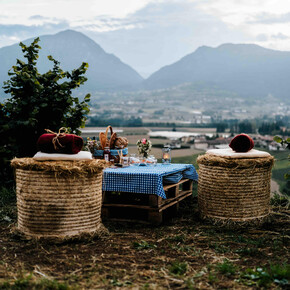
(234, 187)
(58, 199)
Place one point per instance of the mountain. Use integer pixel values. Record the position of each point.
(71, 48)
(246, 69)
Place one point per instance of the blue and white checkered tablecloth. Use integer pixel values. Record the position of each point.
(144, 179)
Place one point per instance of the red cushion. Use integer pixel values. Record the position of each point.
(242, 143)
(65, 143)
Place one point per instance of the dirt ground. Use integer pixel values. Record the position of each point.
(183, 253)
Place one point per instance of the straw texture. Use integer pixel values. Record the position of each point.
(235, 190)
(58, 199)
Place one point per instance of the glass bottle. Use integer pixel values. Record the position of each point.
(107, 155)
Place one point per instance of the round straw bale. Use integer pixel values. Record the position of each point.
(234, 189)
(58, 199)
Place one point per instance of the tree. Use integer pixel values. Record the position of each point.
(221, 127)
(38, 102)
(246, 127)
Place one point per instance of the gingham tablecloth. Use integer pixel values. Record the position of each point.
(144, 179)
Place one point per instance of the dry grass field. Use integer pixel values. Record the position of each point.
(183, 253)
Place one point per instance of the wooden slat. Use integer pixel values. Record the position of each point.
(175, 200)
(126, 205)
(128, 220)
(154, 206)
(166, 187)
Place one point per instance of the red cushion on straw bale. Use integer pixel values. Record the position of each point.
(65, 143)
(242, 143)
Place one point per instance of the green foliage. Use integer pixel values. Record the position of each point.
(7, 196)
(286, 143)
(186, 159)
(38, 102)
(246, 127)
(27, 282)
(115, 282)
(221, 127)
(143, 245)
(178, 268)
(264, 277)
(226, 268)
(270, 128)
(280, 200)
(178, 238)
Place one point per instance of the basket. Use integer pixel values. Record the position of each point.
(58, 199)
(117, 145)
(234, 189)
(115, 154)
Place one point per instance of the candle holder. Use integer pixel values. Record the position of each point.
(166, 155)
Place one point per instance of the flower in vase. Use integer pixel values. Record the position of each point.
(144, 147)
(92, 145)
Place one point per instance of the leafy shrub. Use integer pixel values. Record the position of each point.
(37, 102)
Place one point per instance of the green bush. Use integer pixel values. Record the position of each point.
(37, 102)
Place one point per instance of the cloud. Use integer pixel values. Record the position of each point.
(101, 24)
(162, 33)
(270, 18)
(10, 34)
(280, 36)
(28, 11)
(262, 37)
(37, 17)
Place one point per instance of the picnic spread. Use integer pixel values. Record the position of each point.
(64, 191)
(146, 179)
(144, 193)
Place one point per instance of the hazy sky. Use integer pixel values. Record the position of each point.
(149, 34)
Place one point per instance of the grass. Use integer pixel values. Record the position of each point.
(143, 245)
(178, 268)
(30, 282)
(7, 196)
(7, 204)
(226, 268)
(187, 159)
(186, 253)
(265, 276)
(281, 167)
(280, 200)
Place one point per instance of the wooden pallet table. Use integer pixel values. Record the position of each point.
(145, 208)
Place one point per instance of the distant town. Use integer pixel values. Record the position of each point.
(181, 107)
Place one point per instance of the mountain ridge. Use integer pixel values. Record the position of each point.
(248, 70)
(71, 48)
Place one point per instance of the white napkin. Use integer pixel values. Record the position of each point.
(228, 152)
(82, 155)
